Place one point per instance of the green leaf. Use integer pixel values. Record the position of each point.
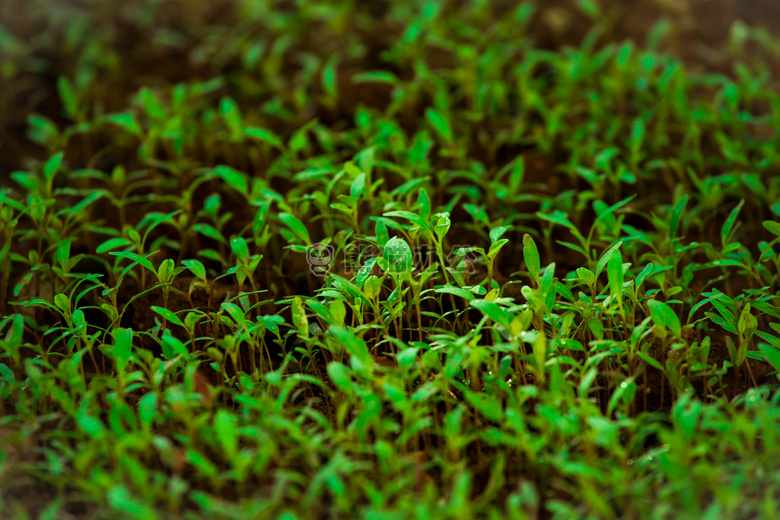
(604, 259)
(62, 301)
(235, 312)
(487, 405)
(233, 178)
(209, 231)
(355, 346)
(558, 217)
(564, 291)
(650, 361)
(338, 206)
(517, 174)
(686, 414)
(147, 408)
(91, 426)
(664, 316)
(258, 224)
(478, 213)
(586, 275)
(135, 258)
(330, 76)
(440, 124)
(196, 267)
(166, 271)
(408, 215)
(604, 214)
(590, 8)
(747, 322)
(123, 346)
(623, 394)
(365, 271)
(772, 226)
(676, 214)
(172, 346)
(128, 122)
(300, 321)
(495, 247)
(230, 113)
(531, 256)
(457, 291)
(497, 232)
(68, 96)
(647, 271)
(296, 226)
(6, 374)
(225, 429)
(78, 319)
(156, 219)
(493, 311)
(239, 246)
(123, 500)
(82, 204)
(345, 285)
(540, 353)
(573, 247)
(587, 381)
(615, 276)
(375, 76)
(168, 315)
(725, 231)
(42, 130)
(339, 312)
(546, 286)
(51, 166)
(442, 225)
(372, 286)
(772, 354)
(340, 375)
(398, 254)
(62, 254)
(356, 190)
(264, 135)
(321, 310)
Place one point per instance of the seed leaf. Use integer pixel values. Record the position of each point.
(398, 254)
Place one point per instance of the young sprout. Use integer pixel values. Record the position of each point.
(397, 261)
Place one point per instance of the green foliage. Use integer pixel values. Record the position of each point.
(545, 281)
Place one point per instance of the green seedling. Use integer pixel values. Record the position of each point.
(504, 274)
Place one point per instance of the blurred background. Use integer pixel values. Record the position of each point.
(102, 51)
